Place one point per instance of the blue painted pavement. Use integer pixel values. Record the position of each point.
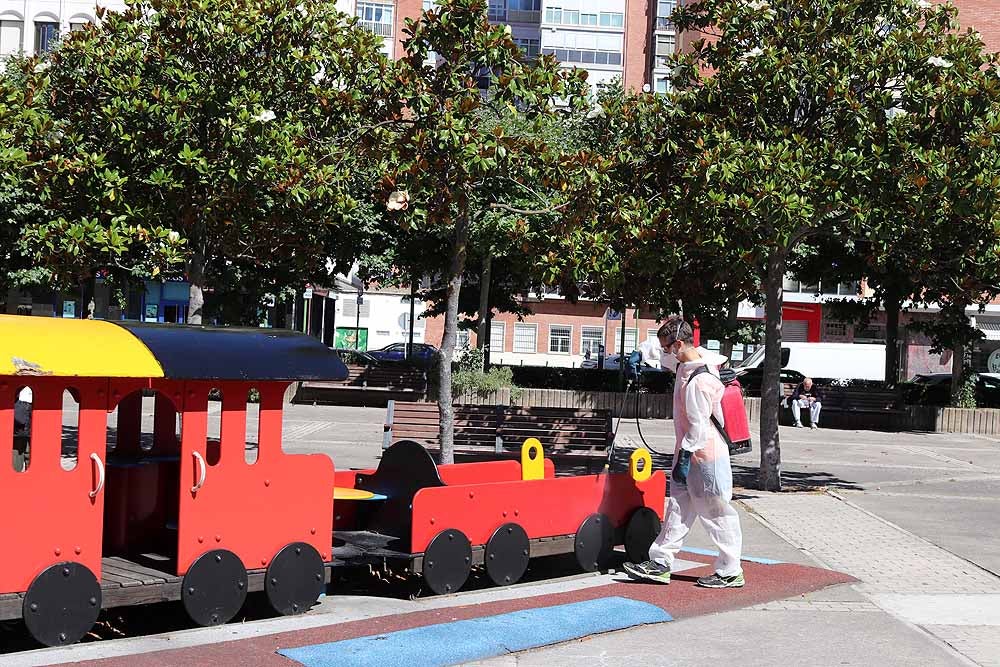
(749, 559)
(481, 638)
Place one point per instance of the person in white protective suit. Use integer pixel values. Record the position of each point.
(701, 479)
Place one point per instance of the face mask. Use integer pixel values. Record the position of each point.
(669, 362)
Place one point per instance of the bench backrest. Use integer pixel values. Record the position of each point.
(502, 427)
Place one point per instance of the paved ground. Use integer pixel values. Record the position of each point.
(913, 517)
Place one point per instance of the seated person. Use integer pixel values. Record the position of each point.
(806, 395)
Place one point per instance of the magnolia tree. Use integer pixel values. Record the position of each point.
(807, 110)
(442, 163)
(228, 127)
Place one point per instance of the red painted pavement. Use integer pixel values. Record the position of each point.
(681, 599)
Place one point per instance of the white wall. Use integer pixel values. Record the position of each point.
(386, 319)
(20, 16)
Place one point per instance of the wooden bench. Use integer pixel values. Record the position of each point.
(856, 408)
(501, 430)
(369, 385)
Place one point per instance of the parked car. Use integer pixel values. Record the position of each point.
(750, 378)
(612, 363)
(935, 389)
(423, 353)
(355, 357)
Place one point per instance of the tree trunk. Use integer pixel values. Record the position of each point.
(196, 291)
(483, 329)
(447, 411)
(892, 304)
(769, 475)
(413, 312)
(957, 369)
(732, 320)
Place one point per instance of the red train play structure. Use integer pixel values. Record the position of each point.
(124, 518)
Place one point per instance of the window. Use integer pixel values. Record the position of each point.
(666, 45)
(835, 329)
(651, 333)
(463, 339)
(585, 56)
(664, 8)
(525, 338)
(525, 5)
(612, 19)
(46, 36)
(11, 33)
(662, 85)
(528, 46)
(588, 19)
(631, 339)
(77, 25)
(848, 289)
(553, 15)
(591, 340)
(560, 338)
(351, 308)
(497, 335)
(375, 18)
(790, 284)
(571, 16)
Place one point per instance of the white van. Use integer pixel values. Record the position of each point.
(835, 361)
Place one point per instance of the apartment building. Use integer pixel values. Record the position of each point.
(33, 26)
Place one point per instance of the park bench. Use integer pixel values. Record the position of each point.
(501, 430)
(367, 385)
(857, 408)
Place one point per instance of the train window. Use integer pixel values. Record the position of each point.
(70, 430)
(22, 429)
(213, 444)
(253, 422)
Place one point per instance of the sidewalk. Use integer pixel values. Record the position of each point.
(913, 518)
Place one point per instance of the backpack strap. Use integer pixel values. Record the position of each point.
(718, 426)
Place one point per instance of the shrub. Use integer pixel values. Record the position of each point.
(469, 376)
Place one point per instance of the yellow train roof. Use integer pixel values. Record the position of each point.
(97, 348)
(68, 347)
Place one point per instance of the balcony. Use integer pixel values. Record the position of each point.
(379, 28)
(500, 15)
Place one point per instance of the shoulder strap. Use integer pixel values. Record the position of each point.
(715, 422)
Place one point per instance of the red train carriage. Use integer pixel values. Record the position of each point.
(127, 517)
(173, 518)
(443, 520)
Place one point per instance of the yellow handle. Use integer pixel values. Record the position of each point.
(532, 468)
(640, 455)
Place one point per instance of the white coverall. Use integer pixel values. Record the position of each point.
(709, 487)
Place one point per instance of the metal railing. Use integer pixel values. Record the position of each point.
(379, 28)
(501, 15)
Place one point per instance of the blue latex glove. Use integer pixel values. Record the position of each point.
(682, 467)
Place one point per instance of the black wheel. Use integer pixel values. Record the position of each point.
(294, 579)
(62, 604)
(643, 527)
(507, 554)
(215, 588)
(594, 543)
(447, 561)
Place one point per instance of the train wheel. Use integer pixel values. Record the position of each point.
(447, 561)
(215, 588)
(643, 527)
(507, 554)
(62, 604)
(594, 542)
(294, 579)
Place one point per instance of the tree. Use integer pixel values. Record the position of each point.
(794, 116)
(440, 157)
(231, 126)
